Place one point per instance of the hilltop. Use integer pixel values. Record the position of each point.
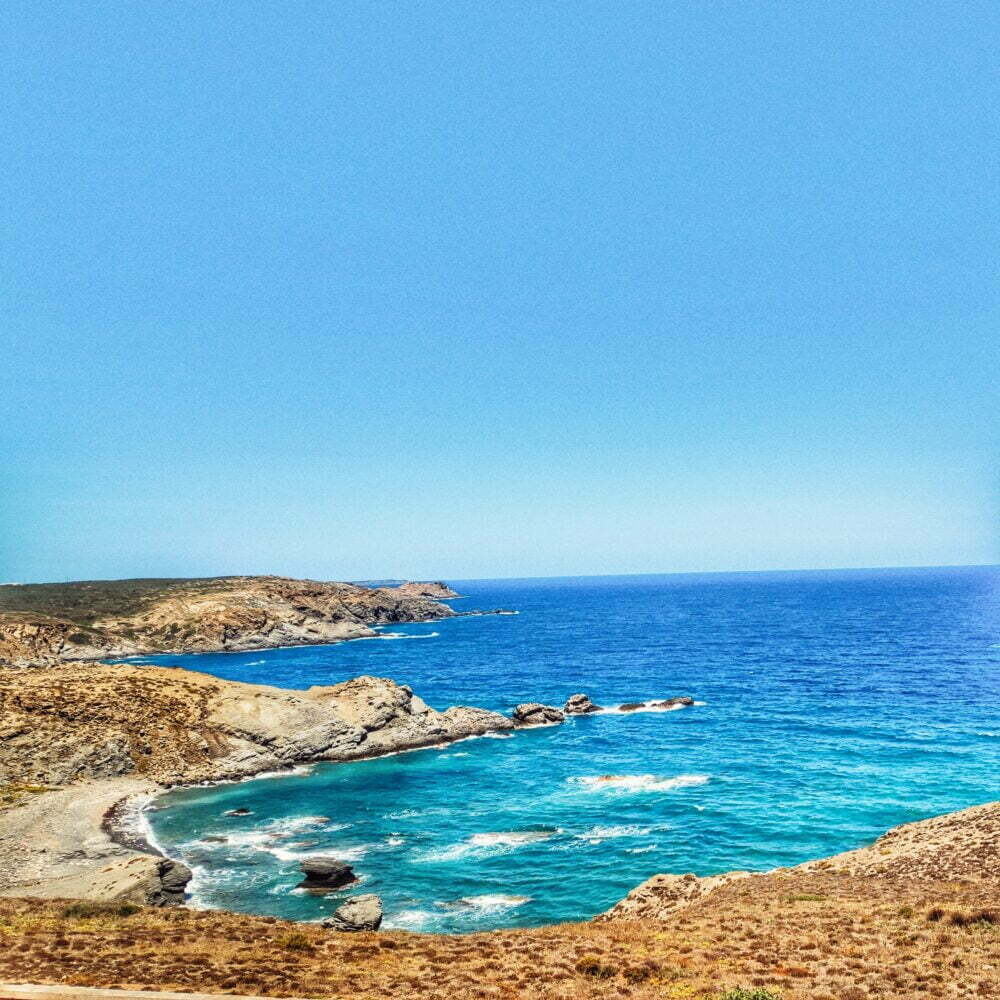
(45, 623)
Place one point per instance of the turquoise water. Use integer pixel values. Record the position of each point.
(836, 705)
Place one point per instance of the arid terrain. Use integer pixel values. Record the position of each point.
(49, 622)
(915, 914)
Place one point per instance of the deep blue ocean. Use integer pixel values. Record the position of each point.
(836, 705)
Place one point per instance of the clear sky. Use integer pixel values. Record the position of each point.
(461, 289)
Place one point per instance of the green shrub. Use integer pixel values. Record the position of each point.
(593, 965)
(296, 941)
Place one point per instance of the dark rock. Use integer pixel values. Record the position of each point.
(533, 713)
(173, 879)
(580, 704)
(325, 874)
(359, 913)
(671, 702)
(242, 811)
(631, 706)
(212, 839)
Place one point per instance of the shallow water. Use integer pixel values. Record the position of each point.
(836, 705)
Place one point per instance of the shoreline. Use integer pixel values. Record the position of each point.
(371, 632)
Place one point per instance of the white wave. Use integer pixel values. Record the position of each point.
(498, 736)
(486, 903)
(653, 705)
(598, 833)
(395, 841)
(296, 824)
(403, 635)
(403, 814)
(407, 920)
(638, 782)
(989, 733)
(640, 850)
(340, 853)
(254, 663)
(489, 843)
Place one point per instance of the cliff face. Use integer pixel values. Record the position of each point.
(93, 721)
(46, 623)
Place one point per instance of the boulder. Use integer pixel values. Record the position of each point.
(325, 874)
(672, 702)
(242, 811)
(359, 913)
(580, 704)
(533, 713)
(631, 706)
(173, 877)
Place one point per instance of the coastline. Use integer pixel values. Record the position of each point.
(114, 832)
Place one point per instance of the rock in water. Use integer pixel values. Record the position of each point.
(533, 713)
(673, 702)
(242, 811)
(580, 704)
(631, 706)
(359, 913)
(325, 874)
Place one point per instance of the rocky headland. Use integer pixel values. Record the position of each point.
(52, 622)
(96, 735)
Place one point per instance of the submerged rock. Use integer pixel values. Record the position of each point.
(580, 704)
(533, 713)
(359, 913)
(242, 811)
(325, 874)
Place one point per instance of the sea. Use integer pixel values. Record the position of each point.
(830, 706)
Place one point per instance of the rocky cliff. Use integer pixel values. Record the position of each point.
(46, 623)
(83, 737)
(92, 721)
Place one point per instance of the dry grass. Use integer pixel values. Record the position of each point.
(17, 793)
(820, 935)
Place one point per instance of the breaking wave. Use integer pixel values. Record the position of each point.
(638, 782)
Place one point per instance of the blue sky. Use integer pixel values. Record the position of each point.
(464, 289)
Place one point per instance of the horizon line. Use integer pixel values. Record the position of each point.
(444, 578)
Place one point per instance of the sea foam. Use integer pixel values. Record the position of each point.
(637, 782)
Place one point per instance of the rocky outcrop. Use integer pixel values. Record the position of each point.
(359, 913)
(662, 895)
(326, 874)
(683, 702)
(111, 732)
(533, 713)
(436, 591)
(45, 623)
(959, 847)
(580, 704)
(173, 879)
(88, 721)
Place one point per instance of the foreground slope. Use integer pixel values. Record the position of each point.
(915, 914)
